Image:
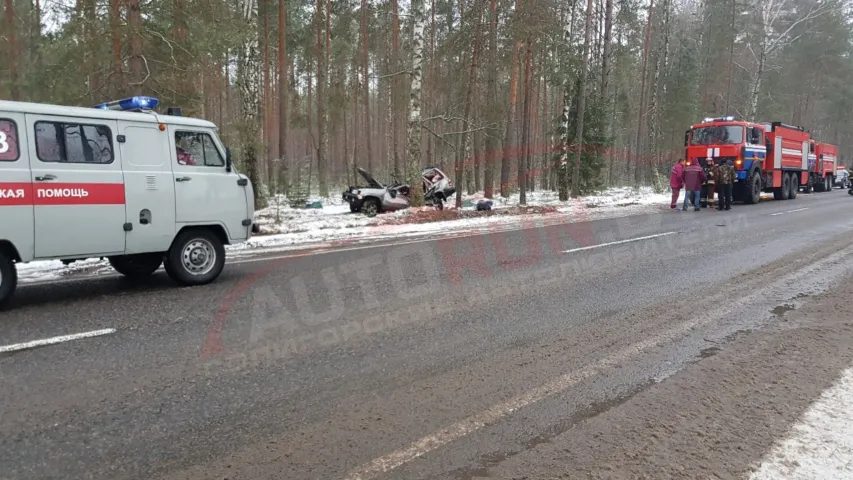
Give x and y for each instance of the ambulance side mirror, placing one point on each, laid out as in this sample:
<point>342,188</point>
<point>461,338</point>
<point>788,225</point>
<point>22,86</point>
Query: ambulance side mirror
<point>227,159</point>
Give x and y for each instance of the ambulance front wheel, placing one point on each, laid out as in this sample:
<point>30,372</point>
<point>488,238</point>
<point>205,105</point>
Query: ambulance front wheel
<point>197,257</point>
<point>8,278</point>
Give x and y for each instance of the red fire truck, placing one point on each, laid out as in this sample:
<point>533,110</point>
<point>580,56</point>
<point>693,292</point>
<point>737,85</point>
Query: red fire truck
<point>823,166</point>
<point>768,157</point>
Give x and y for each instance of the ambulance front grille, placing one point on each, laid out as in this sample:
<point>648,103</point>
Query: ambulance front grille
<point>150,182</point>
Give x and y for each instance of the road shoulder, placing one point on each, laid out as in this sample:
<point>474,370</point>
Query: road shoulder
<point>715,419</point>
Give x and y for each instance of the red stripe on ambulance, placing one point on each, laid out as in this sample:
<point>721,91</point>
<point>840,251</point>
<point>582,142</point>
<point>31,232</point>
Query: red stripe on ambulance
<point>16,194</point>
<point>61,194</point>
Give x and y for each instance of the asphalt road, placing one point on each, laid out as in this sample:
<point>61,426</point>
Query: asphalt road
<point>440,358</point>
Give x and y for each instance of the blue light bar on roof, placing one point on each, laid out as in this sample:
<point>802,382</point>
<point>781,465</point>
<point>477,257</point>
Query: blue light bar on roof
<point>130,104</point>
<point>718,119</point>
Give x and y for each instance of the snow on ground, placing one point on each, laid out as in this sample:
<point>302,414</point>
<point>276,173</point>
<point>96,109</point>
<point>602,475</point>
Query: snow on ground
<point>284,228</point>
<point>820,445</point>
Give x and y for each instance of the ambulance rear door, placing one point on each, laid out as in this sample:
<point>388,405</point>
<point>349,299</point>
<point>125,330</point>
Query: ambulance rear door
<point>149,188</point>
<point>78,186</point>
<point>16,192</point>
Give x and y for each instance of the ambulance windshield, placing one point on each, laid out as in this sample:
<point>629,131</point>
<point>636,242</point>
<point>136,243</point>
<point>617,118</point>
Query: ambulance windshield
<point>717,135</point>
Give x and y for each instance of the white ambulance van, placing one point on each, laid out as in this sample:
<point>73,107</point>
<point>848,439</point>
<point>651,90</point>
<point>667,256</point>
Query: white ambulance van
<point>121,182</point>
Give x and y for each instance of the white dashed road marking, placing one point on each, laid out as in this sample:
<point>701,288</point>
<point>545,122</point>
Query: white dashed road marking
<point>789,211</point>
<point>820,445</point>
<point>619,242</point>
<point>53,340</point>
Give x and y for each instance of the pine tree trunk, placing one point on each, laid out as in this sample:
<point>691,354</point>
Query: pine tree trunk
<point>563,164</point>
<point>283,93</point>
<point>576,171</point>
<point>605,57</point>
<point>395,86</point>
<point>134,20</point>
<point>12,53</point>
<point>641,112</point>
<point>115,25</point>
<point>477,144</point>
<point>366,90</point>
<point>525,129</point>
<point>430,106</point>
<point>267,102</point>
<point>248,72</point>
<point>492,145</point>
<point>413,130</point>
<point>90,48</point>
<point>180,80</point>
<point>546,152</point>
<point>509,137</point>
<point>461,154</point>
<point>322,141</point>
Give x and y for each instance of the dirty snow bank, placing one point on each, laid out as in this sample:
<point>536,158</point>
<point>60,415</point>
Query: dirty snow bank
<point>284,228</point>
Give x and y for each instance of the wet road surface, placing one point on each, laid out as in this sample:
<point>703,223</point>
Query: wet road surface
<point>615,345</point>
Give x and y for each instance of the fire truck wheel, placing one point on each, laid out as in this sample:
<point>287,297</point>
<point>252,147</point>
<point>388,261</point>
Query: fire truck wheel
<point>137,266</point>
<point>786,186</point>
<point>829,182</point>
<point>8,278</point>
<point>197,257</point>
<point>807,188</point>
<point>753,193</point>
<point>795,186</point>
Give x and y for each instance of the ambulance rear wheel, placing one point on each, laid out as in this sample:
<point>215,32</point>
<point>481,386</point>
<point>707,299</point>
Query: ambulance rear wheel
<point>8,278</point>
<point>137,266</point>
<point>197,257</point>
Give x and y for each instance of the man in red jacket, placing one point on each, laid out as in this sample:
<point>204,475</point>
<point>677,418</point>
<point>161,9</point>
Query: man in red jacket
<point>694,177</point>
<point>676,182</point>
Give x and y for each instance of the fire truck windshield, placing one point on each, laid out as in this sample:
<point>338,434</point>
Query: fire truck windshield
<point>717,135</point>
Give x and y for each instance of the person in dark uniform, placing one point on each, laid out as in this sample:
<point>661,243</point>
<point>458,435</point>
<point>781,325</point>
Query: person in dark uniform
<point>725,180</point>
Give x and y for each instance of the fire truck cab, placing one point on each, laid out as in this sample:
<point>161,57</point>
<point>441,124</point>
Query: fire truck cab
<point>770,157</point>
<point>121,182</point>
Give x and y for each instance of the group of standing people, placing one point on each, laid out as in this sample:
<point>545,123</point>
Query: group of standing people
<point>693,176</point>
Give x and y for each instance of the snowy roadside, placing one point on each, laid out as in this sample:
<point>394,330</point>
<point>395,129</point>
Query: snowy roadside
<point>284,228</point>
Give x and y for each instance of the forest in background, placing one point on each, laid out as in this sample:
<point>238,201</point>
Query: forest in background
<point>504,95</point>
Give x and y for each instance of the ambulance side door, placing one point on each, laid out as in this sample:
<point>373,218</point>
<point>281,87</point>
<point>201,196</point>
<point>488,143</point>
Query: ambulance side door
<point>16,190</point>
<point>78,186</point>
<point>206,192</point>
<point>149,188</point>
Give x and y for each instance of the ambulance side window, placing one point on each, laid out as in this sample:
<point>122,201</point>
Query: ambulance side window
<point>73,143</point>
<point>8,141</point>
<point>197,149</point>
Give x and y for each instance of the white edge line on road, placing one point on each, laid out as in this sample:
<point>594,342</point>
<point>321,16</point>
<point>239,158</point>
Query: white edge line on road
<point>53,340</point>
<point>647,237</point>
<point>789,211</point>
<point>466,426</point>
<point>326,248</point>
